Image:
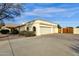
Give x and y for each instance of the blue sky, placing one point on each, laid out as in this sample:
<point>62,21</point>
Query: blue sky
<point>65,14</point>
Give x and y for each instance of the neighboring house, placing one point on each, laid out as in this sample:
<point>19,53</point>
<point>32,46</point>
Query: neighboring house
<point>9,26</point>
<point>41,27</point>
<point>75,30</point>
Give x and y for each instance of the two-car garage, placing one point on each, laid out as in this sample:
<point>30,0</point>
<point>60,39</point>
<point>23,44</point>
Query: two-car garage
<point>45,30</point>
<point>44,27</point>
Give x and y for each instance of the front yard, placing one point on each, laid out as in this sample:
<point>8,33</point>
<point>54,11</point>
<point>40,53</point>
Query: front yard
<point>46,45</point>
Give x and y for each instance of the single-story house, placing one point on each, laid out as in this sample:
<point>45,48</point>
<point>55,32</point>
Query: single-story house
<point>9,27</point>
<point>41,27</point>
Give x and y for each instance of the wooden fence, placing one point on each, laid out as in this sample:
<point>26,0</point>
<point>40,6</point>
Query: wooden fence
<point>65,30</point>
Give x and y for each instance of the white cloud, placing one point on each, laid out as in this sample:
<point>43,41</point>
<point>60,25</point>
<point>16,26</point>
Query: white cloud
<point>45,11</point>
<point>52,12</point>
<point>66,22</point>
<point>70,12</point>
<point>48,10</point>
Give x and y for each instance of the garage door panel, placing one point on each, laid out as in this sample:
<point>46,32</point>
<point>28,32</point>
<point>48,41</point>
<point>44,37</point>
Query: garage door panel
<point>45,30</point>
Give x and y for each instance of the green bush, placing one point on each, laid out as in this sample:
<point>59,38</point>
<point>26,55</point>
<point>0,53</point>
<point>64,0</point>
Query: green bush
<point>14,31</point>
<point>27,33</point>
<point>4,31</point>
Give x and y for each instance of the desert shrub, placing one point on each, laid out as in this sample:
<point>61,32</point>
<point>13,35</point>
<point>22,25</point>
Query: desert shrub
<point>4,31</point>
<point>27,33</point>
<point>14,31</point>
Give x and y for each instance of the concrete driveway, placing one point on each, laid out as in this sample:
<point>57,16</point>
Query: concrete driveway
<point>46,45</point>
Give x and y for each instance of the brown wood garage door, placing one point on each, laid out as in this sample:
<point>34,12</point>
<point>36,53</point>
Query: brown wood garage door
<point>67,30</point>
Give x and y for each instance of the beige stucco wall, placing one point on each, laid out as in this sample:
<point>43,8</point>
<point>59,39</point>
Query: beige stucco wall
<point>76,31</point>
<point>38,24</point>
<point>37,28</point>
<point>22,28</point>
<point>55,29</point>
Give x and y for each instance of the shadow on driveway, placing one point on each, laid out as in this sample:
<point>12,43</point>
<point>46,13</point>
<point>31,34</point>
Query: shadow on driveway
<point>75,48</point>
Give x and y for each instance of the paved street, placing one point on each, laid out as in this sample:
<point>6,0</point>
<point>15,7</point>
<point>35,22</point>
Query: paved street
<point>46,45</point>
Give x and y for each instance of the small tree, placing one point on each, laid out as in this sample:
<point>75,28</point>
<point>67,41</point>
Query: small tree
<point>77,27</point>
<point>9,11</point>
<point>59,26</point>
